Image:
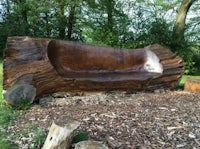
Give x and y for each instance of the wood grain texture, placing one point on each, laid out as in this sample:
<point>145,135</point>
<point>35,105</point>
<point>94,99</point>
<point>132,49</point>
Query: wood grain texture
<point>26,61</point>
<point>102,64</point>
<point>192,85</point>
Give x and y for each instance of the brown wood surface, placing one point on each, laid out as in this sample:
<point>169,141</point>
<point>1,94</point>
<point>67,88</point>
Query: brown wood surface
<point>192,85</point>
<point>26,61</point>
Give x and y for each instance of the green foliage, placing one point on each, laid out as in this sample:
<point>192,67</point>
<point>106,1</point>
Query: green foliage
<point>24,104</point>
<point>5,143</point>
<point>39,136</point>
<point>156,31</point>
<point>7,115</point>
<point>190,55</point>
<point>80,136</point>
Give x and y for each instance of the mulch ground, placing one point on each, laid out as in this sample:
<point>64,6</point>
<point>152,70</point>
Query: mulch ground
<point>120,120</point>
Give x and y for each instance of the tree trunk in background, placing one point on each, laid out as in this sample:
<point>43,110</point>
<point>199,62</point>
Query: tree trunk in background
<point>62,20</point>
<point>110,9</point>
<point>8,6</point>
<point>22,4</point>
<point>71,22</point>
<point>48,30</point>
<point>179,25</point>
<point>110,23</point>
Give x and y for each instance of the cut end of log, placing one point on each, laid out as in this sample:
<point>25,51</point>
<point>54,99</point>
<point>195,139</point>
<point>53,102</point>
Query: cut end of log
<point>192,85</point>
<point>60,134</point>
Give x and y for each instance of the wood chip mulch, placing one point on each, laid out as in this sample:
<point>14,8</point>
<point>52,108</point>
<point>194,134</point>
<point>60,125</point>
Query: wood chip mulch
<point>120,120</point>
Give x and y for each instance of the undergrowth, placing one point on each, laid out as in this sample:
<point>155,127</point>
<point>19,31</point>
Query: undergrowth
<point>7,115</point>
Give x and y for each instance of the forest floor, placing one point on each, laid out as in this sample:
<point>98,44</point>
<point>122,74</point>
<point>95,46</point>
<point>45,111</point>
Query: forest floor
<point>120,120</point>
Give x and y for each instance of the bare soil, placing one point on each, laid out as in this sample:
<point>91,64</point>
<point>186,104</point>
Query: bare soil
<point>121,120</point>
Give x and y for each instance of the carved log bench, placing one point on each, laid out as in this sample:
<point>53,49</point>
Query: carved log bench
<point>63,66</point>
<point>92,63</point>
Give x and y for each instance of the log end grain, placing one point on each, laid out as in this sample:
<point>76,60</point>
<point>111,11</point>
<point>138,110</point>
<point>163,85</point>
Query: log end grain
<point>192,85</point>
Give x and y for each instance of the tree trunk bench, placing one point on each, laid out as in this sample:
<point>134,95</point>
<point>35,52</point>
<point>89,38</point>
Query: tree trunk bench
<point>63,66</point>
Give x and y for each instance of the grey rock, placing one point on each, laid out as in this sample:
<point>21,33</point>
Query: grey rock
<point>20,93</point>
<point>90,145</point>
<point>159,90</point>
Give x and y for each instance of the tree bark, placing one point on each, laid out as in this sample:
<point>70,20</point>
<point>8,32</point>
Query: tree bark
<point>179,25</point>
<point>8,6</point>
<point>71,22</point>
<point>110,9</point>
<point>57,66</point>
<point>22,4</point>
<point>62,20</point>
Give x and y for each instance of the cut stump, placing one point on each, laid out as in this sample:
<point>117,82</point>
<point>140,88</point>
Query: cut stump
<point>192,85</point>
<point>60,134</point>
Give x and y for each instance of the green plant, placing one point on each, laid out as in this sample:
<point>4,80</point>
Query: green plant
<point>7,115</point>
<point>24,104</point>
<point>39,136</point>
<point>5,143</point>
<point>80,136</point>
<point>188,56</point>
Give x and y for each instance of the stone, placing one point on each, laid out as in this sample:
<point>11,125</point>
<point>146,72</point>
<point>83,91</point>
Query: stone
<point>90,145</point>
<point>159,90</point>
<point>20,93</point>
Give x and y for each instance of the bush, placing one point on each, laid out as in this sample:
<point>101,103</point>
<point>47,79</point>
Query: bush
<point>190,55</point>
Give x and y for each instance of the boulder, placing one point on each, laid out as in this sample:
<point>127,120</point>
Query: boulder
<point>21,93</point>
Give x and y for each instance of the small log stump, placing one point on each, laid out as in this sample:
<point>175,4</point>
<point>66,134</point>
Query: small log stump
<point>192,85</point>
<point>60,134</point>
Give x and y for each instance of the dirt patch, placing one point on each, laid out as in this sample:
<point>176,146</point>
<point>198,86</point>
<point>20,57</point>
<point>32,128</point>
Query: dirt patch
<point>121,120</point>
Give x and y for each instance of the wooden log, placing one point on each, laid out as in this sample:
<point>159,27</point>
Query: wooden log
<point>61,66</point>
<point>60,134</point>
<point>192,85</point>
